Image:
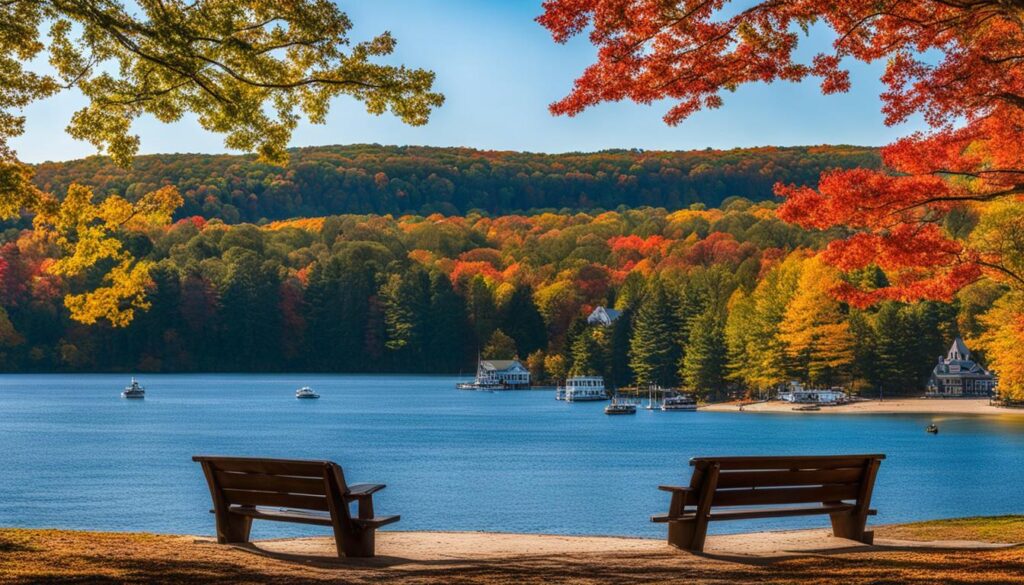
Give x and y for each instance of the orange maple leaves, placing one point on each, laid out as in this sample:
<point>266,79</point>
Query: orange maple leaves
<point>958,64</point>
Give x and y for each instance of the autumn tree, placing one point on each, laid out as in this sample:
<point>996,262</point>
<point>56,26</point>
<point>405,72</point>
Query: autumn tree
<point>956,64</point>
<point>500,347</point>
<point>248,69</point>
<point>814,327</point>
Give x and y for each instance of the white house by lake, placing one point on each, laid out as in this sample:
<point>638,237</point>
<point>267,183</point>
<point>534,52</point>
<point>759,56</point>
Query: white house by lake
<point>510,373</point>
<point>957,375</point>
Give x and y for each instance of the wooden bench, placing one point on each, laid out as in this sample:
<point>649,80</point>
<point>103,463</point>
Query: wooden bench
<point>837,485</point>
<point>284,490</point>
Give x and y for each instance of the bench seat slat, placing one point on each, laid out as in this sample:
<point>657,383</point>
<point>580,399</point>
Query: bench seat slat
<point>283,515</point>
<point>376,522</point>
<point>255,498</point>
<point>271,483</point>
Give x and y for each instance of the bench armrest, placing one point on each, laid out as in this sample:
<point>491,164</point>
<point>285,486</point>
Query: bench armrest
<point>361,490</point>
<point>674,488</point>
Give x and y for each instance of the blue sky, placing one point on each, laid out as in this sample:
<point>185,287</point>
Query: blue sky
<point>499,70</point>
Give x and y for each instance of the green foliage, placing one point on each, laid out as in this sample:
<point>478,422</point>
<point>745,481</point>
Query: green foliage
<point>411,179</point>
<point>654,350</point>
<point>500,347</point>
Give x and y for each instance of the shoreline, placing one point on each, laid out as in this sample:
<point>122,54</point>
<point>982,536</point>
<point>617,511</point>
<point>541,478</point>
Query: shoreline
<point>924,406</point>
<point>949,550</point>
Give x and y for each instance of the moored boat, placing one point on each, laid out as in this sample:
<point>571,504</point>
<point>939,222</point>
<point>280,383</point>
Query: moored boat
<point>135,390</point>
<point>679,402</point>
<point>584,389</point>
<point>306,393</point>
<point>620,408</point>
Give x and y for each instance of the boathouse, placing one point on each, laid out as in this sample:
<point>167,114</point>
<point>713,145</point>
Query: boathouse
<point>603,316</point>
<point>957,375</point>
<point>510,373</point>
<point>797,394</point>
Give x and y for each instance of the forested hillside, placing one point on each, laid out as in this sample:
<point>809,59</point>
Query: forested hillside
<point>453,181</point>
<point>713,300</point>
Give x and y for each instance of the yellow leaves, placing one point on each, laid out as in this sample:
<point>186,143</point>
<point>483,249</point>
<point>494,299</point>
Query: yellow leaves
<point>1002,340</point>
<point>87,234</point>
<point>117,301</point>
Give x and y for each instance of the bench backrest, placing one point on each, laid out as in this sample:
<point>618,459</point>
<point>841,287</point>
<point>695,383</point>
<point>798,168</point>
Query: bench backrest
<point>765,481</point>
<point>284,483</point>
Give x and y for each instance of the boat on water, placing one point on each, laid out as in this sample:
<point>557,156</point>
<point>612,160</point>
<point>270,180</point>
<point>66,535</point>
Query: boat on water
<point>583,389</point>
<point>135,390</point>
<point>651,403</point>
<point>679,402</point>
<point>617,407</point>
<point>932,428</point>
<point>306,393</point>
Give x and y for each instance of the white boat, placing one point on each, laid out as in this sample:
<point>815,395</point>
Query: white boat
<point>134,391</point>
<point>584,389</point>
<point>306,392</point>
<point>619,407</point>
<point>651,404</point>
<point>679,402</point>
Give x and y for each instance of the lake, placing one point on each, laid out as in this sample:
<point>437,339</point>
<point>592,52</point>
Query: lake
<point>73,454</point>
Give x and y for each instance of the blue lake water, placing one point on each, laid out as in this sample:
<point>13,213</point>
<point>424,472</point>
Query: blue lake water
<point>73,454</point>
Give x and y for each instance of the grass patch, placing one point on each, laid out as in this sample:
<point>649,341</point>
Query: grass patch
<point>1008,529</point>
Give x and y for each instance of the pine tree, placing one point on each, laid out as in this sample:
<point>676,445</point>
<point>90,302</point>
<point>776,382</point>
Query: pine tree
<point>589,354</point>
<point>521,320</point>
<point>447,328</point>
<point>654,351</point>
<point>703,365</point>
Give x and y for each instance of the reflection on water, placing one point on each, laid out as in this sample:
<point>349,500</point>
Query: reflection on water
<point>75,455</point>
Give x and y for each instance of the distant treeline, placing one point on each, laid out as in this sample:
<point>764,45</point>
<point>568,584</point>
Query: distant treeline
<point>715,300</point>
<point>454,181</point>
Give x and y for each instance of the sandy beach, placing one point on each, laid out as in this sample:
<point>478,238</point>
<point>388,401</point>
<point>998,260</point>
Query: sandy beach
<point>928,553</point>
<point>950,407</point>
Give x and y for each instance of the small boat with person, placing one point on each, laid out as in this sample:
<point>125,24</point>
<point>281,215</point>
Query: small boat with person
<point>306,393</point>
<point>135,390</point>
<point>932,428</point>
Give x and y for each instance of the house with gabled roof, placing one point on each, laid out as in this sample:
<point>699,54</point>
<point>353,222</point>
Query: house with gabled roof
<point>603,316</point>
<point>507,373</point>
<point>957,375</point>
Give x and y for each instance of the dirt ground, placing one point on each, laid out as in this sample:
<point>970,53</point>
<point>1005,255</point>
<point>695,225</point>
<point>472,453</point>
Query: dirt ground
<point>961,551</point>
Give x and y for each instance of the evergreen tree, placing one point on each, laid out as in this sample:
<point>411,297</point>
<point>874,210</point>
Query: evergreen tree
<point>406,302</point>
<point>589,354</point>
<point>481,310</point>
<point>654,351</point>
<point>522,321</point>
<point>622,331</point>
<point>447,328</point>
<point>703,365</point>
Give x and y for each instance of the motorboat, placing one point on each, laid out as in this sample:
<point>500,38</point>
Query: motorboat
<point>135,390</point>
<point>932,428</point>
<point>306,393</point>
<point>617,407</point>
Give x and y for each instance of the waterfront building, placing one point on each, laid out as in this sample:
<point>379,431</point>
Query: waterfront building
<point>957,375</point>
<point>509,373</point>
<point>797,394</point>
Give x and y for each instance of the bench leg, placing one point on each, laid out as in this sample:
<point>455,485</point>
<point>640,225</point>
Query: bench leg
<point>688,535</point>
<point>851,526</point>
<point>235,528</point>
<point>359,544</point>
